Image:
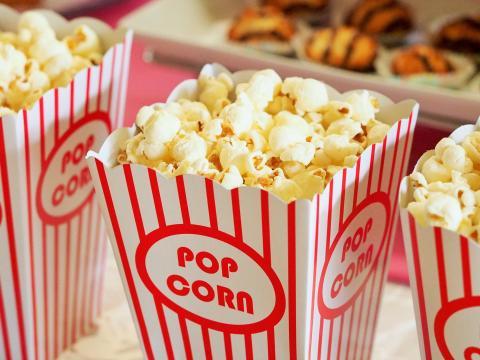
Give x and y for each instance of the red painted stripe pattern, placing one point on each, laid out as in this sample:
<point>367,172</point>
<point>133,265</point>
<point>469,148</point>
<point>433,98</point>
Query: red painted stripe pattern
<point>276,232</point>
<point>60,262</point>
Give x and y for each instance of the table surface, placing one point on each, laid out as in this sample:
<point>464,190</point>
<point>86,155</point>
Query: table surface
<point>116,339</point>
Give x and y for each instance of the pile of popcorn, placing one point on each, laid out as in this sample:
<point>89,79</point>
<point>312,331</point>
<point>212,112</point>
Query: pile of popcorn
<point>446,189</point>
<point>33,60</point>
<point>286,136</point>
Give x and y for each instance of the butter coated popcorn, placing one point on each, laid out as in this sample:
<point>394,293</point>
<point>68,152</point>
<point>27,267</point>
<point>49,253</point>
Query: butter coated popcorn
<point>286,137</point>
<point>446,188</point>
<point>33,60</point>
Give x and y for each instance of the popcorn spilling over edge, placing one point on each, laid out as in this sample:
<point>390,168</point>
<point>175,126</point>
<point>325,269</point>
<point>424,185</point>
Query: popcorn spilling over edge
<point>446,189</point>
<point>33,60</point>
<point>286,136</point>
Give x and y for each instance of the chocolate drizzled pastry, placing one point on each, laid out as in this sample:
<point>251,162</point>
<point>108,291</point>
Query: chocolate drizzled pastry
<point>295,7</point>
<point>461,35</point>
<point>265,23</point>
<point>380,17</point>
<point>343,47</point>
<point>419,59</point>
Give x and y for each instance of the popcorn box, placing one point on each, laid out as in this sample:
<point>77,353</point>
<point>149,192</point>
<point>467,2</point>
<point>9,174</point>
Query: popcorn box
<point>217,273</point>
<point>52,245</point>
<point>444,282</point>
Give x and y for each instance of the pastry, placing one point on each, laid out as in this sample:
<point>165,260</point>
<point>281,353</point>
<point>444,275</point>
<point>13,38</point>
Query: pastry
<point>380,17</point>
<point>260,25</point>
<point>343,47</point>
<point>419,59</point>
<point>462,35</point>
<point>295,7</point>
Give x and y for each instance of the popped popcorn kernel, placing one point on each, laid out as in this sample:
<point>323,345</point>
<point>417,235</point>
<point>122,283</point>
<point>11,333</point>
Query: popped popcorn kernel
<point>34,60</point>
<point>446,189</point>
<point>286,137</point>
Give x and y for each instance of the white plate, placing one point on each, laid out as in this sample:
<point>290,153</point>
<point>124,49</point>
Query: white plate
<point>194,32</point>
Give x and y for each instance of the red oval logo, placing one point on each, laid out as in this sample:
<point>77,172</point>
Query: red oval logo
<point>457,329</point>
<point>210,278</point>
<point>65,185</point>
<point>353,255</point>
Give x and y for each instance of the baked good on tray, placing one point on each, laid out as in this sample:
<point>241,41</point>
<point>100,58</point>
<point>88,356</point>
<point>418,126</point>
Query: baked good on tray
<point>391,20</point>
<point>418,59</point>
<point>461,34</point>
<point>343,47</point>
<point>295,7</point>
<point>263,27</point>
<point>314,12</point>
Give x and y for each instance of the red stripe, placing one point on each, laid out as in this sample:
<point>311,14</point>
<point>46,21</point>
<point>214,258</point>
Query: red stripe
<point>93,263</point>
<point>110,91</point>
<point>237,216</point>
<point>152,174</point>
<point>124,259</point>
<point>340,337</point>
<point>30,231</point>
<point>12,243</point>
<point>292,282</point>
<point>442,277</point>
<point>123,82</point>
<point>86,270</point>
<point>206,343</point>
<point>342,202</point>
<point>421,296</point>
<point>393,217</point>
<point>248,347</point>
<point>350,326</point>
<point>87,95</point>
<point>72,102</point>
<point>161,223</point>
<point>212,211</point>
<point>314,281</point>
<point>267,255</point>
<point>394,161</point>
<point>467,277</point>
<point>101,280</point>
<point>320,338</point>
<point>77,276</point>
<point>382,163</point>
<point>56,293</point>
<point>330,337</point>
<point>56,120</point>
<point>45,291</point>
<point>99,257</point>
<point>227,341</point>
<point>67,286</point>
<point>182,198</point>
<point>357,180</point>
<point>3,326</point>
<point>134,202</point>
<point>185,338</point>
<point>330,210</point>
<point>357,336</point>
<point>370,172</point>
<point>99,90</point>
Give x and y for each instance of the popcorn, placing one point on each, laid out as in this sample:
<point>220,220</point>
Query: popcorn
<point>308,94</point>
<point>33,60</point>
<point>446,189</point>
<point>285,137</point>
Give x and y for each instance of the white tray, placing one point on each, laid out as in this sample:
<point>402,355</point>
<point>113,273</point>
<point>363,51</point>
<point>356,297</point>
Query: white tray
<point>194,32</point>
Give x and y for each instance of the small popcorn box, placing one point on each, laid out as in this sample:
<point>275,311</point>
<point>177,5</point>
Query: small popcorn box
<point>217,273</point>
<point>52,238</point>
<point>444,282</point>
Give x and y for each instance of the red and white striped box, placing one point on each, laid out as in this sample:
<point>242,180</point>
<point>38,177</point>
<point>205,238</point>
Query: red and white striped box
<point>52,238</point>
<point>444,280</point>
<point>213,273</point>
